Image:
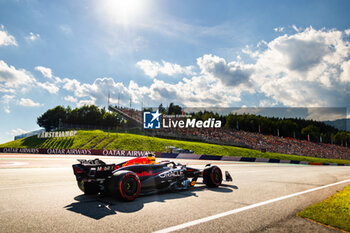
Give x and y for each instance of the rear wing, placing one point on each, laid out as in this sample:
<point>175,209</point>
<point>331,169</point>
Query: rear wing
<point>98,168</point>
<point>92,168</point>
<point>89,162</point>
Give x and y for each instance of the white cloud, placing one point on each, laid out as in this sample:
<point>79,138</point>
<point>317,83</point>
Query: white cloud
<point>50,87</point>
<point>247,50</point>
<point>10,77</point>
<point>296,28</point>
<point>279,29</point>
<point>5,38</point>
<point>28,103</point>
<point>152,68</point>
<point>304,69</point>
<point>345,74</point>
<point>19,81</point>
<point>97,92</point>
<point>301,52</point>
<point>6,99</point>
<point>231,74</point>
<point>46,72</point>
<point>7,90</point>
<point>149,68</point>
<point>91,101</point>
<point>71,99</point>
<point>32,36</point>
<point>259,45</point>
<point>219,84</point>
<point>71,84</point>
<point>196,91</point>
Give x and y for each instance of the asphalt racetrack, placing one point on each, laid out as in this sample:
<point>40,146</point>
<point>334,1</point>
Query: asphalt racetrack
<point>38,193</point>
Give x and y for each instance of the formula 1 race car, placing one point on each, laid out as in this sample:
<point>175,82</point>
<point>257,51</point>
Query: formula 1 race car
<point>141,176</point>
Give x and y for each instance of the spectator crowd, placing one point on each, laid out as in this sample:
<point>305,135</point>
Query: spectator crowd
<point>252,140</point>
<point>262,142</point>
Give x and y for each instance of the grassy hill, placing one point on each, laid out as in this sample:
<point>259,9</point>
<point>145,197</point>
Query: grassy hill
<point>98,139</point>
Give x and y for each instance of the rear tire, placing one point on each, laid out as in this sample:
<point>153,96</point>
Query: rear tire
<point>126,185</point>
<point>212,176</point>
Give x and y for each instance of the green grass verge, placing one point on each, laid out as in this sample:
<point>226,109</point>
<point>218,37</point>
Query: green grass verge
<point>126,141</point>
<point>334,211</point>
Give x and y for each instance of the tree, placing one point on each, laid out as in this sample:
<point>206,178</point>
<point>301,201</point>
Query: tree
<point>90,115</point>
<point>52,117</point>
<point>85,115</point>
<point>111,119</point>
<point>174,109</point>
<point>161,109</point>
<point>342,138</point>
<point>312,131</point>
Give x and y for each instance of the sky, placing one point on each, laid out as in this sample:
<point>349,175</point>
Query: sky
<point>197,53</point>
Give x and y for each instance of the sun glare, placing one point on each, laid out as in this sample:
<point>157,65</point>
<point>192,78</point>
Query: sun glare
<point>124,11</point>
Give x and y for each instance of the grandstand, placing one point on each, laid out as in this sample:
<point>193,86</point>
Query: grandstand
<point>240,138</point>
<point>131,115</point>
<point>258,141</point>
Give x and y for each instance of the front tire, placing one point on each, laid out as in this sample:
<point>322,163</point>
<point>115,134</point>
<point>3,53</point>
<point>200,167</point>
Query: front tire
<point>212,176</point>
<point>126,185</point>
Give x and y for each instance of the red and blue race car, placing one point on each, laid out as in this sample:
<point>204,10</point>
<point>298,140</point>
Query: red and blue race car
<point>141,176</point>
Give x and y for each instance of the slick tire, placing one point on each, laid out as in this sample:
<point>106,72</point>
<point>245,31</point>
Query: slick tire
<point>125,185</point>
<point>212,176</point>
<point>88,188</point>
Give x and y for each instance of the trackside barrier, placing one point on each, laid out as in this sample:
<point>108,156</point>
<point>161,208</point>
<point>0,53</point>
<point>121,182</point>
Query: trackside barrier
<point>242,159</point>
<point>103,152</point>
<point>76,152</point>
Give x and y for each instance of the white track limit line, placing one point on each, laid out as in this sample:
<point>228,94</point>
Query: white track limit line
<point>216,216</point>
